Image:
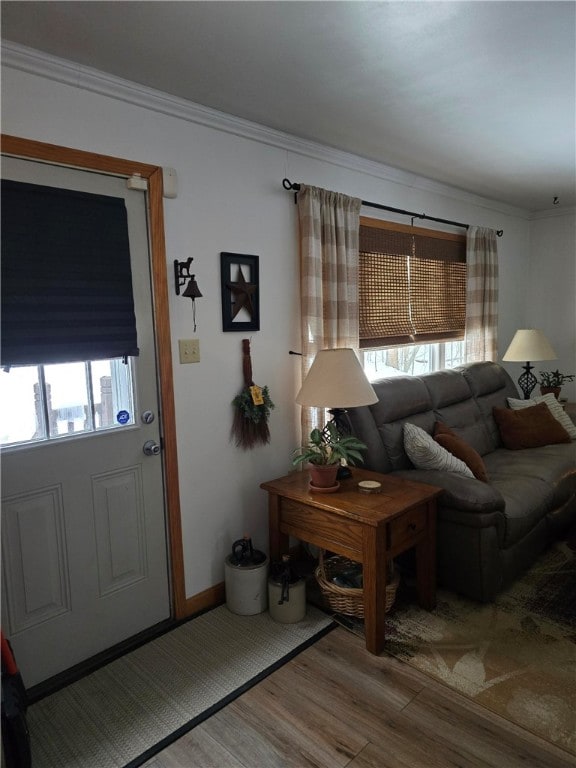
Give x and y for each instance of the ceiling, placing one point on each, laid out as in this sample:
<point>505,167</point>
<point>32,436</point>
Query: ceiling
<point>478,95</point>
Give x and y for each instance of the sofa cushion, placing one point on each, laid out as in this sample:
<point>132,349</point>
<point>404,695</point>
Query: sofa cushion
<point>529,427</point>
<point>461,449</point>
<point>488,379</point>
<point>555,409</point>
<point>546,473</point>
<point>490,386</point>
<point>552,464</point>
<point>453,405</point>
<point>521,517</point>
<point>446,388</point>
<point>400,398</point>
<point>425,453</point>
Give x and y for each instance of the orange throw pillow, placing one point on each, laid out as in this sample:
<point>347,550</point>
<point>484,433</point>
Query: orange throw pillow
<point>448,439</point>
<point>529,427</point>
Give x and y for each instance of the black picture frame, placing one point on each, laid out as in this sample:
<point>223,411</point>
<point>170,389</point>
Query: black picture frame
<point>240,289</point>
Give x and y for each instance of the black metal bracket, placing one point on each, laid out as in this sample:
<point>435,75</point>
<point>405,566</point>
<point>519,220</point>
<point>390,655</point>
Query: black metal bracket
<point>182,273</point>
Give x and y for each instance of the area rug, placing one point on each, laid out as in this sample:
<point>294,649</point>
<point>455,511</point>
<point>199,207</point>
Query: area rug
<point>130,709</point>
<point>516,656</point>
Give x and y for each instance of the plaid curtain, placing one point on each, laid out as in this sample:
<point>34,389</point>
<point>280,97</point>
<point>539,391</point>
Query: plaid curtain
<point>329,226</point>
<point>481,295</point>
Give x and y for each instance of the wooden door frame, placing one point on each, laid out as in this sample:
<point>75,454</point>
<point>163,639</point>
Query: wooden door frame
<point>73,158</point>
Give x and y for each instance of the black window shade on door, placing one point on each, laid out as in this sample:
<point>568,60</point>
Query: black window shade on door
<point>66,276</point>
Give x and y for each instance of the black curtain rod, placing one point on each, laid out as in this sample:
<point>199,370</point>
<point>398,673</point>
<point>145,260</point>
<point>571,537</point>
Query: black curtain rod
<point>296,188</point>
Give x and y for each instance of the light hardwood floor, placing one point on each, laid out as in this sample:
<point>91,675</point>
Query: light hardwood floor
<point>337,706</point>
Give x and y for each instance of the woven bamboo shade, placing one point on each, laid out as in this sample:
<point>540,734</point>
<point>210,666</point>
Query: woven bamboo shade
<point>412,287</point>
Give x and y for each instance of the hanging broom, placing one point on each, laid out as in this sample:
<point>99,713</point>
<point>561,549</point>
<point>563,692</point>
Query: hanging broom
<point>252,407</point>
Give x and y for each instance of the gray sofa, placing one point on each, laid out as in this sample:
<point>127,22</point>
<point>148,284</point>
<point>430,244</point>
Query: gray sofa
<point>487,533</point>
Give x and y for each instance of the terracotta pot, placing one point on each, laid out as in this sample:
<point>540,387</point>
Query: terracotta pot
<point>323,476</point>
<point>555,391</point>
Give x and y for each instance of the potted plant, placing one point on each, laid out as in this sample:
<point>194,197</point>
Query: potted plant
<point>325,452</point>
<point>551,381</point>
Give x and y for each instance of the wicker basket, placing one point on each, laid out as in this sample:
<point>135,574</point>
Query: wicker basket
<point>347,600</point>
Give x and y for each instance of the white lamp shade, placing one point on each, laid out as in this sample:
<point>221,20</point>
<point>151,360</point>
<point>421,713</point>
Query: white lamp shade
<point>527,345</point>
<point>336,380</point>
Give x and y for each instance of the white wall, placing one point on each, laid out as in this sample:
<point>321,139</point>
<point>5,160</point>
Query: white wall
<point>230,199</point>
<point>552,289</point>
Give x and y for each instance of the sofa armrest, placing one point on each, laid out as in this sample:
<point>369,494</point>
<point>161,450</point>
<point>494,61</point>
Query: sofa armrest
<point>459,492</point>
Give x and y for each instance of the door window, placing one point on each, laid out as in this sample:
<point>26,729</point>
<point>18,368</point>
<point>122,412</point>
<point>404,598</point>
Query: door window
<point>46,402</point>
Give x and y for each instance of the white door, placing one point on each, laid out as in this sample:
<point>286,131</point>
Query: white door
<point>84,551</point>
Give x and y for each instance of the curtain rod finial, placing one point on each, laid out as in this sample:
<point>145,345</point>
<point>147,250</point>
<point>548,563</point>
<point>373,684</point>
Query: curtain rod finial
<point>287,184</point>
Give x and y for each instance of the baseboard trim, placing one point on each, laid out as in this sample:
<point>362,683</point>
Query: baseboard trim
<point>203,601</point>
<point>216,595</point>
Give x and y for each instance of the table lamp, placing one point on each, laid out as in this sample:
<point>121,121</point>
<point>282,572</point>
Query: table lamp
<point>528,344</point>
<point>336,381</point>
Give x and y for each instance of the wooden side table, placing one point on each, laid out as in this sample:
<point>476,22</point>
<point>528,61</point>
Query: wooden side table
<point>368,528</point>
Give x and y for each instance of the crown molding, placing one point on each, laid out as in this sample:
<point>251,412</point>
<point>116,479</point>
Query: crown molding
<point>550,213</point>
<point>38,63</point>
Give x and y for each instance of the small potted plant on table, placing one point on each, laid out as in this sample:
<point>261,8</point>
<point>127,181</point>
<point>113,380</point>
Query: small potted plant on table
<point>325,452</point>
<point>551,381</point>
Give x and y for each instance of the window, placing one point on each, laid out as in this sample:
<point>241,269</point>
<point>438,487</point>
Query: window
<point>412,293</point>
<point>41,403</point>
<point>412,360</point>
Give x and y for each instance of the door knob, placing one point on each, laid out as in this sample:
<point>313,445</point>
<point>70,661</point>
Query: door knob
<point>151,448</point>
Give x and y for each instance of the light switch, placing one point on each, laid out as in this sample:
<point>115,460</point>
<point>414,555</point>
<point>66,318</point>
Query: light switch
<point>189,350</point>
